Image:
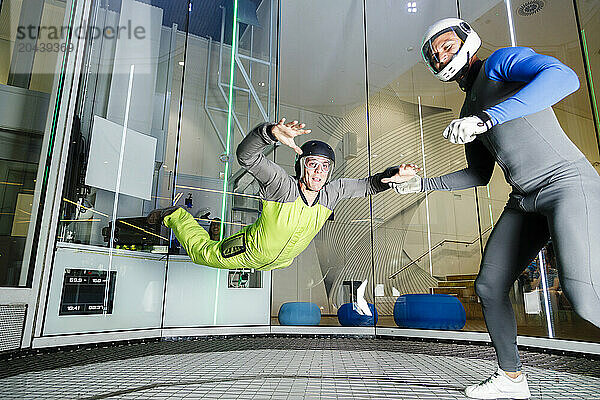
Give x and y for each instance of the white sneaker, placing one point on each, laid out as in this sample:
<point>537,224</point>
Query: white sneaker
<point>500,386</point>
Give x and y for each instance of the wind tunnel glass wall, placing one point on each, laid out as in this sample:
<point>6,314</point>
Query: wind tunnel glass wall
<point>118,170</point>
<point>419,237</point>
<point>322,83</point>
<point>159,118</point>
<point>552,28</point>
<point>169,90</point>
<point>30,66</point>
<point>420,244</point>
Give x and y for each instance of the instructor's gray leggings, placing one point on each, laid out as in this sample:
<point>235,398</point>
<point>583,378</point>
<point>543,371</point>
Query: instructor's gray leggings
<point>566,209</point>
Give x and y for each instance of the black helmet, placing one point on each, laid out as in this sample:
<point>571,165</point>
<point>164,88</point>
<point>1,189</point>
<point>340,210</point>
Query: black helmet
<point>314,148</point>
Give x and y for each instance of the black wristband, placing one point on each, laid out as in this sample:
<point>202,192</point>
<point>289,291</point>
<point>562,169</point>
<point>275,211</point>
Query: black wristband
<point>390,171</point>
<point>270,133</point>
<point>375,180</point>
<point>482,115</point>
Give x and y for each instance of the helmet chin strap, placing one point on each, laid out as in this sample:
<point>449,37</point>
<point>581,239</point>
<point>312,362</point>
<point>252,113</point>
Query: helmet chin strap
<point>462,74</point>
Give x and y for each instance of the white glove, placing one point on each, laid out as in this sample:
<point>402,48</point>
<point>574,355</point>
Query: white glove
<point>411,186</point>
<point>464,130</point>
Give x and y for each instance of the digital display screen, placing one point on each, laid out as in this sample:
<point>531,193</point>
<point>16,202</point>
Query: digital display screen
<point>84,291</point>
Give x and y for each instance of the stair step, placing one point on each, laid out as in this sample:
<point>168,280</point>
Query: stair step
<point>458,291</point>
<point>447,290</point>
<point>463,277</point>
<point>469,283</point>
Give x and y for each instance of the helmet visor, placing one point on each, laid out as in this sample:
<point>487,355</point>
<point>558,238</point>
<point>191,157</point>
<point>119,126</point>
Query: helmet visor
<point>441,48</point>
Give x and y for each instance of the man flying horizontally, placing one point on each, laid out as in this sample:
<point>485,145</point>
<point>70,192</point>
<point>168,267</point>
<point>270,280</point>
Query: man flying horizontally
<point>294,208</point>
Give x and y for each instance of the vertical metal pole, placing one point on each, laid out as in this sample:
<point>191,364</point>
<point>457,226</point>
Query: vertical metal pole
<point>545,290</point>
<point>221,45</point>
<point>250,76</point>
<point>278,60</point>
<point>426,196</point>
<point>270,61</point>
<point>229,134</point>
<point>588,76</point>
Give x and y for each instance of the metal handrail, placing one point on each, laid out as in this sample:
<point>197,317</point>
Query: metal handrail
<point>416,260</point>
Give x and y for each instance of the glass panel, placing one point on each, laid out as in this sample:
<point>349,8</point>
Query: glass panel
<point>409,109</point>
<point>322,83</point>
<point>589,20</point>
<point>127,114</point>
<point>550,28</point>
<point>228,90</point>
<point>439,232</point>
<point>32,37</point>
<point>127,117</point>
<point>489,19</point>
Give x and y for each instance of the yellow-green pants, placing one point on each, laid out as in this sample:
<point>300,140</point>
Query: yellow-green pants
<point>229,253</point>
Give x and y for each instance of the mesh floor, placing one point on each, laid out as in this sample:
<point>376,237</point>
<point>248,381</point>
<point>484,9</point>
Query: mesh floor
<point>284,368</point>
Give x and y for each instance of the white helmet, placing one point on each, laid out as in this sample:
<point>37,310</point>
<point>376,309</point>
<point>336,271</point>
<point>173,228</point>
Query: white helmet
<point>470,43</point>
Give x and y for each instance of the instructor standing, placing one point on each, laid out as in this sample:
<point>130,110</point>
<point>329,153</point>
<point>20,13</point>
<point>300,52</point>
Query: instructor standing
<point>507,118</point>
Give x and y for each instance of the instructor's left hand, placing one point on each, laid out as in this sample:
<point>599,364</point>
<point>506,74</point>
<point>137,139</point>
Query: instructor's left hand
<point>464,130</point>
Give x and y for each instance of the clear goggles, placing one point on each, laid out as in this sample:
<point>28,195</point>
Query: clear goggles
<point>313,163</point>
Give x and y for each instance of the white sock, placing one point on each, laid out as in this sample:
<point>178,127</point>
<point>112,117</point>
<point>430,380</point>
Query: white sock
<point>517,379</point>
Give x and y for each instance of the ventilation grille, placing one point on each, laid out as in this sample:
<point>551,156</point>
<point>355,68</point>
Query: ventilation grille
<point>12,318</point>
<point>529,8</point>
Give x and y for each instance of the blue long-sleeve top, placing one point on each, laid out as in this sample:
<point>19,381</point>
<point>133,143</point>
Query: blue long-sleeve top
<point>516,87</point>
<point>549,81</point>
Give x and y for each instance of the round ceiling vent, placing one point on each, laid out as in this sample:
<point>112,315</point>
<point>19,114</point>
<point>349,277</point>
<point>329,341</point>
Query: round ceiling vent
<point>530,7</point>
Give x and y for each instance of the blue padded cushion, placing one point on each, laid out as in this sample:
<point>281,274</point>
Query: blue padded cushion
<point>350,317</point>
<point>299,313</point>
<point>429,311</point>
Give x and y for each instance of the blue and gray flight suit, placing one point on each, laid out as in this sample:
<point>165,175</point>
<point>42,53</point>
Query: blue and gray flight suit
<point>556,191</point>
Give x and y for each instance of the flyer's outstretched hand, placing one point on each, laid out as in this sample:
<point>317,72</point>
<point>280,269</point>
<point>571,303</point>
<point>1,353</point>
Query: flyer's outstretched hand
<point>285,133</point>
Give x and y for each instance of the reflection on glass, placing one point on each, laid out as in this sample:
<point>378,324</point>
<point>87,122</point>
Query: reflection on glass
<point>323,85</point>
<point>552,29</point>
<point>419,241</point>
<point>118,167</point>
<point>28,63</point>
<point>195,93</point>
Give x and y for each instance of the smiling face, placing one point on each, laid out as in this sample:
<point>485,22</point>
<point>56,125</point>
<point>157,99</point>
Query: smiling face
<point>316,169</point>
<point>214,229</point>
<point>442,49</point>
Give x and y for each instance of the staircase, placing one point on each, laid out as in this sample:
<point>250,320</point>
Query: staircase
<point>463,288</point>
